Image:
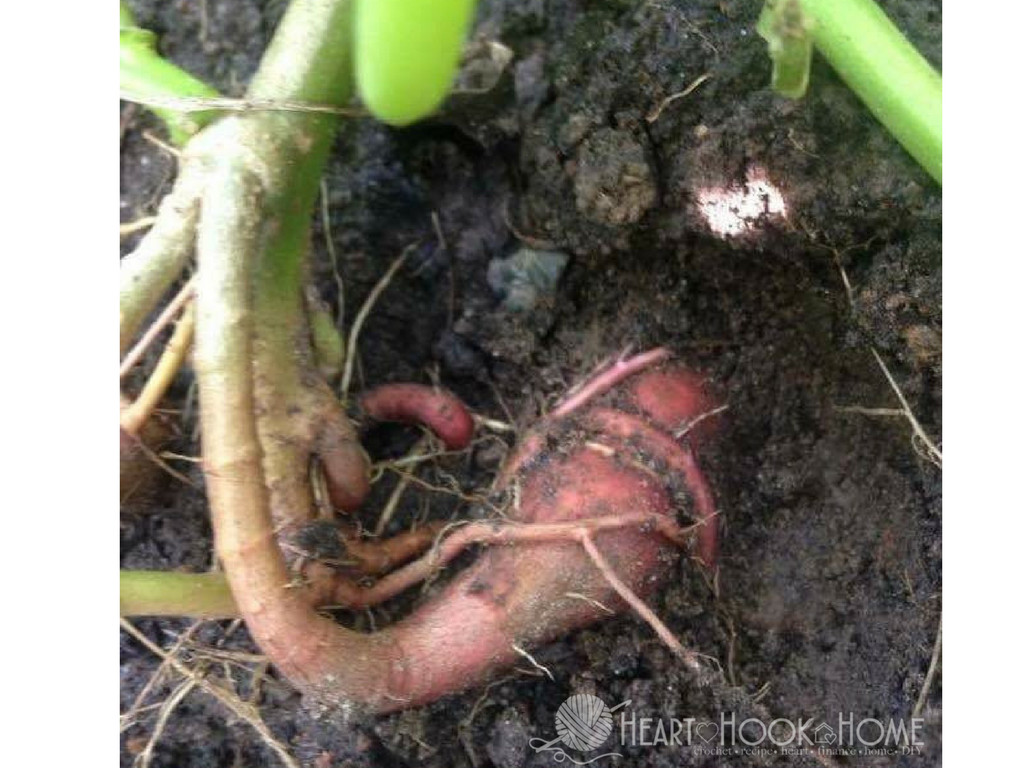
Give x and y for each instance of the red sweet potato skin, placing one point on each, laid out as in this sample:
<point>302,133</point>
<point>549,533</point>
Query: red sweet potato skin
<point>529,593</point>
<point>674,398</point>
<point>615,455</point>
<point>438,410</point>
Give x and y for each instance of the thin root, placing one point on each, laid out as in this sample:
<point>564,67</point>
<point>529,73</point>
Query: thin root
<point>680,433</point>
<point>690,658</point>
<point>137,226</point>
<point>929,450</point>
<point>526,655</point>
<point>174,354</point>
<point>165,466</point>
<point>454,538</point>
<point>608,378</point>
<point>166,710</point>
<point>596,603</point>
<point>175,306</point>
<point>494,425</point>
<point>159,143</point>
<point>395,498</point>
<point>157,676</point>
<point>364,311</point>
<point>929,677</point>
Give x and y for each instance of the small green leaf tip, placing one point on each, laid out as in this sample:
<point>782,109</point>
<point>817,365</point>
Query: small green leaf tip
<point>127,19</point>
<point>144,72</point>
<point>785,27</point>
<point>407,54</point>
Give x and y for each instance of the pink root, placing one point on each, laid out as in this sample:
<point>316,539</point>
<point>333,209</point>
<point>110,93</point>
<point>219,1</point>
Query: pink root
<point>439,411</point>
<point>601,382</point>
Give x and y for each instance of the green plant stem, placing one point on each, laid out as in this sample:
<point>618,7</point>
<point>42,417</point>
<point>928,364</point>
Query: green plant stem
<point>873,58</point>
<point>308,60</point>
<point>295,405</point>
<point>146,72</point>
<point>407,54</point>
<point>889,75</point>
<point>328,344</point>
<point>169,593</point>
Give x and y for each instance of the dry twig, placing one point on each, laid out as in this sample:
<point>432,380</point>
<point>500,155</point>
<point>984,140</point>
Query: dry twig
<point>929,677</point>
<point>241,709</point>
<point>159,381</point>
<point>166,709</point>
<point>655,113</point>
<point>225,104</point>
<point>933,453</point>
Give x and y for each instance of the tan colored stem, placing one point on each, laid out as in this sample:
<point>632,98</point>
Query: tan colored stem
<point>149,270</point>
<point>160,379</point>
<point>305,646</point>
<point>131,227</point>
<point>228,244</point>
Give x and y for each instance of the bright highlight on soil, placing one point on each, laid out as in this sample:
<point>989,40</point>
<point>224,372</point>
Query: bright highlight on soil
<point>731,211</point>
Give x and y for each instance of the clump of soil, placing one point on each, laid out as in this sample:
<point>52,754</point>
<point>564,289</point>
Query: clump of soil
<point>828,599</point>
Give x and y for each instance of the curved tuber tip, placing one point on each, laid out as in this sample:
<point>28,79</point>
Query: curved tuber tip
<point>677,400</point>
<point>438,410</point>
<point>346,468</point>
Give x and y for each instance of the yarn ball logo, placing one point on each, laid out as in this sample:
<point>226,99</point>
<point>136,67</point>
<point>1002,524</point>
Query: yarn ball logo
<point>583,724</point>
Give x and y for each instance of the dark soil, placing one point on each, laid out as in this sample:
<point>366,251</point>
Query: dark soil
<point>829,594</point>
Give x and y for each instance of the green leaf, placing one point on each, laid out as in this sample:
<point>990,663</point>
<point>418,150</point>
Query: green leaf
<point>144,72</point>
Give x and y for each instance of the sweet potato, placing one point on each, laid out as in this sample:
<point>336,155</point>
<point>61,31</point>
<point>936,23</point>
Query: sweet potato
<point>610,455</point>
<point>592,498</point>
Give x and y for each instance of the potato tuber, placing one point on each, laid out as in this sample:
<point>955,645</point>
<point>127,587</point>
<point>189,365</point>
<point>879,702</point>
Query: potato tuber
<point>610,454</point>
<point>592,496</point>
